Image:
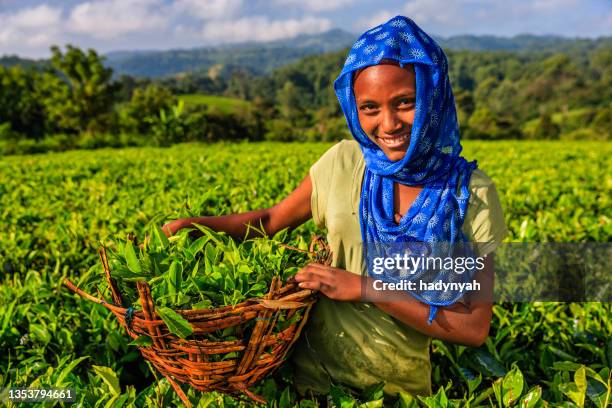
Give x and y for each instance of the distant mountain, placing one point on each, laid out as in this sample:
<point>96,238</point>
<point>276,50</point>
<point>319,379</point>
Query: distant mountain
<point>14,60</point>
<point>256,58</point>
<point>523,42</point>
<point>263,58</point>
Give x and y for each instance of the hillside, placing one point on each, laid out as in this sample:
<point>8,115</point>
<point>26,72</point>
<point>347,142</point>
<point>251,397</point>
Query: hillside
<point>263,58</point>
<point>255,58</point>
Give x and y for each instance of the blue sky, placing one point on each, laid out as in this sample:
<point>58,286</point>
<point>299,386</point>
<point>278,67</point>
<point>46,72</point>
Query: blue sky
<point>29,27</point>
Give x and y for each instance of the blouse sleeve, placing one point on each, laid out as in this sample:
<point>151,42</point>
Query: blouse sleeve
<point>321,174</point>
<point>484,223</point>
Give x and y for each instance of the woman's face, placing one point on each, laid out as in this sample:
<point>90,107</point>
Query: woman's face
<point>386,99</point>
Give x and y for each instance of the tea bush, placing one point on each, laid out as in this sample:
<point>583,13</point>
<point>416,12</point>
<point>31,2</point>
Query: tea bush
<point>57,208</point>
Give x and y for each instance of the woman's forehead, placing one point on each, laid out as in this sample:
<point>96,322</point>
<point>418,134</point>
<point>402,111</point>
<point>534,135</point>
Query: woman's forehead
<point>408,67</point>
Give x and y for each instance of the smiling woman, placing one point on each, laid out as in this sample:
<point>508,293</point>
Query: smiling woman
<point>401,180</point>
<point>386,98</point>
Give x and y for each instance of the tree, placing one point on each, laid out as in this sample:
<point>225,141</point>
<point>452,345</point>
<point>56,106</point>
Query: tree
<point>77,91</point>
<point>290,105</point>
<point>19,106</point>
<point>145,105</point>
<point>546,129</point>
<point>484,124</point>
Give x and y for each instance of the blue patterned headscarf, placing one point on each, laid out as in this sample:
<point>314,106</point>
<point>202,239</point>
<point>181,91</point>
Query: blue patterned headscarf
<point>432,159</point>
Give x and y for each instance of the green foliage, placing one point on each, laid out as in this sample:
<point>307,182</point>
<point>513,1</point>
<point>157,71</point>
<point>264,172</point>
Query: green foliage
<point>222,104</point>
<point>59,207</point>
<point>499,95</point>
<point>146,103</point>
<point>77,92</point>
<point>545,128</point>
<point>20,107</point>
<point>484,124</point>
<point>168,126</point>
<point>290,103</point>
<point>212,269</point>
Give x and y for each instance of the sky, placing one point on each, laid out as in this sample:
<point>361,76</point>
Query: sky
<point>29,27</point>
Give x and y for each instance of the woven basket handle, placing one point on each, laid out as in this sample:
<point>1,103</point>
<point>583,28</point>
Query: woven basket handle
<point>117,299</point>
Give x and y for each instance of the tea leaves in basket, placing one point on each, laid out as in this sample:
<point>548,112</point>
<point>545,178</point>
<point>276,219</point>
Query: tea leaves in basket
<point>210,271</point>
<point>175,322</point>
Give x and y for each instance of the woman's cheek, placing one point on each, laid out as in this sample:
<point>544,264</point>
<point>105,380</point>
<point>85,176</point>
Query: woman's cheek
<point>366,125</point>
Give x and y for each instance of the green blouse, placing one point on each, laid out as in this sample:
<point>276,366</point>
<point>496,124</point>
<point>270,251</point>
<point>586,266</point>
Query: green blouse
<point>357,344</point>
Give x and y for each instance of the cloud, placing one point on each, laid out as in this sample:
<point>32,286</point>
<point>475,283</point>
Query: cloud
<point>377,19</point>
<point>315,5</point>
<point>438,14</point>
<point>260,28</point>
<point>208,9</point>
<point>29,27</point>
<point>106,25</point>
<point>499,17</point>
<point>106,19</point>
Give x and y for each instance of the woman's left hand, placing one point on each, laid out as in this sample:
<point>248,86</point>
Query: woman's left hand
<point>335,283</point>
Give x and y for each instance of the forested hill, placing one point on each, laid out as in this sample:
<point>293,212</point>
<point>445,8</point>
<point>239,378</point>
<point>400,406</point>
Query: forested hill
<point>255,58</point>
<point>263,58</point>
<point>521,43</point>
<point>13,60</point>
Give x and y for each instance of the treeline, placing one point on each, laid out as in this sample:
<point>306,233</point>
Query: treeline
<point>73,101</point>
<point>499,95</point>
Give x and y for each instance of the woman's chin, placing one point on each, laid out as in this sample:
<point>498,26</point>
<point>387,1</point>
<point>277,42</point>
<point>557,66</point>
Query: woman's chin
<point>394,155</point>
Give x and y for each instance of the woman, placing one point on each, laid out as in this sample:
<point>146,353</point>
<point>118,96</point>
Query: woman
<point>401,179</point>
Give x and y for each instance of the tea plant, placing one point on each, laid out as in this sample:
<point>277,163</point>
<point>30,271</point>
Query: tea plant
<point>56,210</point>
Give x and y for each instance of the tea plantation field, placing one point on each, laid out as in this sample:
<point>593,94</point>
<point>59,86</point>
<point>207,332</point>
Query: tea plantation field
<point>56,209</point>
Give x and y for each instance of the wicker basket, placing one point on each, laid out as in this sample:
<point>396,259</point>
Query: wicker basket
<point>258,350</point>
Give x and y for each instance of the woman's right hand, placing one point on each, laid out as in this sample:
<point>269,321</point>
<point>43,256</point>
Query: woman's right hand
<point>172,227</point>
<point>291,212</point>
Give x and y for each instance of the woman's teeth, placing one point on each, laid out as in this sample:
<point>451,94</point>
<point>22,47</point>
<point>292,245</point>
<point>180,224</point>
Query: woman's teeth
<point>394,141</point>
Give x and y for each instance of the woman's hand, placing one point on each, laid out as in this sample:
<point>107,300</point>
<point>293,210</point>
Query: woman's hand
<point>335,283</point>
<point>171,227</point>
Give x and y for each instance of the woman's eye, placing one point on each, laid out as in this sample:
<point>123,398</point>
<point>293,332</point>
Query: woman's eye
<point>406,102</point>
<point>367,108</point>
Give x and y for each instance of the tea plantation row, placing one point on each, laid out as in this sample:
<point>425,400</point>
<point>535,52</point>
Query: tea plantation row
<point>56,209</point>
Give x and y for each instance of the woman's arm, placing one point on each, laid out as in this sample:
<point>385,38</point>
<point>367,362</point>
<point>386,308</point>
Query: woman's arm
<point>290,212</point>
<point>463,324</point>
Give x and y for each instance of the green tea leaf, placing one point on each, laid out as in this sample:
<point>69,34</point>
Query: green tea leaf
<point>59,381</point>
<point>174,277</point>
<point>532,398</point>
<point>130,257</point>
<point>142,341</point>
<point>373,392</point>
<point>202,304</point>
<point>176,323</point>
<point>487,364</point>
<point>407,401</point>
<point>576,391</point>
<point>109,377</point>
<point>439,400</point>
<point>285,399</point>
<point>340,398</point>
<point>159,236</point>
<point>379,403</point>
<point>512,386</point>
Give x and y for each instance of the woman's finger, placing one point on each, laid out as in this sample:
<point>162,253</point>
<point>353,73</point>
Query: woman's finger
<point>309,272</point>
<point>312,285</point>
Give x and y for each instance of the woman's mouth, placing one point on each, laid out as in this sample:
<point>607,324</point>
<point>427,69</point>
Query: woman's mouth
<point>393,141</point>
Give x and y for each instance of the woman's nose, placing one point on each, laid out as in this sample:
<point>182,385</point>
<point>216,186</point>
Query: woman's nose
<point>391,122</point>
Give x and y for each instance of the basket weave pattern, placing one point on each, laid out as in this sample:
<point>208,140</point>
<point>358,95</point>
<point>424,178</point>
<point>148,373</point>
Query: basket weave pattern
<point>198,361</point>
